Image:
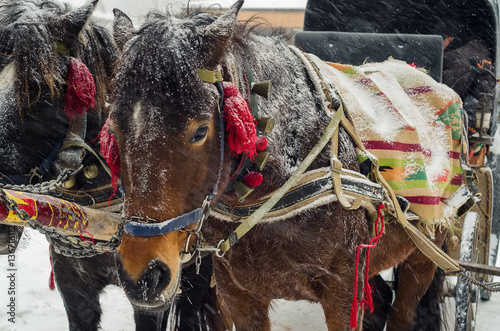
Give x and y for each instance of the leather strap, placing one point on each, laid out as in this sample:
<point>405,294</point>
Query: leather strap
<point>144,229</point>
<point>251,221</point>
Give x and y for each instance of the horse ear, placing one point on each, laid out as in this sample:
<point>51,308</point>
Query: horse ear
<point>70,24</point>
<point>216,35</point>
<point>122,28</point>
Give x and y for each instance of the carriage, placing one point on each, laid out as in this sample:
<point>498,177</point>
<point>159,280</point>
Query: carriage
<point>414,32</point>
<point>137,227</point>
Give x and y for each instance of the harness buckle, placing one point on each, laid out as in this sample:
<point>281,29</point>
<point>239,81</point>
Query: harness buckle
<point>205,208</point>
<point>35,174</point>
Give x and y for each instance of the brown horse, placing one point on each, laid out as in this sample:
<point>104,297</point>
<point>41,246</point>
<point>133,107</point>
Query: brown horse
<point>166,116</point>
<point>166,123</point>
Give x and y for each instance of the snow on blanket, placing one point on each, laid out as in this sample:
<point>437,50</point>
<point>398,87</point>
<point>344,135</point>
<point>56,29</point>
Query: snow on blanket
<point>411,123</point>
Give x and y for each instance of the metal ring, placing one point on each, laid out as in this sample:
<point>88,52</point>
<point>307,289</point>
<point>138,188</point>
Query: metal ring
<point>218,249</point>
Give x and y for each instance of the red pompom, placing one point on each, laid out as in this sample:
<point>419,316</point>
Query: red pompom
<point>253,179</point>
<point>261,144</point>
<point>80,89</point>
<point>109,149</point>
<point>240,124</point>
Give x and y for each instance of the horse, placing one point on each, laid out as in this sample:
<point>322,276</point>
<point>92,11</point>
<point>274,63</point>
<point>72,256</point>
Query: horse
<point>181,82</point>
<point>41,41</point>
<point>165,120</point>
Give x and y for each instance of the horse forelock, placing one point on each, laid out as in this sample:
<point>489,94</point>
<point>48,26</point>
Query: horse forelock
<point>159,64</point>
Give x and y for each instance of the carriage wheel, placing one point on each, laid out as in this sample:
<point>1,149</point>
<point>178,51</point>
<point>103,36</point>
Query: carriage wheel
<point>485,209</point>
<point>467,295</point>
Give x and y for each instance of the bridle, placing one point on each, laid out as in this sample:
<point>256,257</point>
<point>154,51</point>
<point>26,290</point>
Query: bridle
<point>147,227</point>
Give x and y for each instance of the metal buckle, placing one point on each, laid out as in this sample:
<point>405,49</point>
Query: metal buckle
<point>34,174</point>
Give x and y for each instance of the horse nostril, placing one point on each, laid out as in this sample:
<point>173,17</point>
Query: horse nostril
<point>152,283</point>
<point>156,278</point>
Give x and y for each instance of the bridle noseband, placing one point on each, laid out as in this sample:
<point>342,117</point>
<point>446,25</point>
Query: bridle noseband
<point>138,226</point>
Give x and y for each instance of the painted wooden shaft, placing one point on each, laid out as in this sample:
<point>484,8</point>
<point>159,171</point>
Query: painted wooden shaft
<point>64,216</point>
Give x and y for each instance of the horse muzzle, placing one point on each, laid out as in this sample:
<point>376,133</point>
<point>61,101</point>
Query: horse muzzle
<point>154,291</point>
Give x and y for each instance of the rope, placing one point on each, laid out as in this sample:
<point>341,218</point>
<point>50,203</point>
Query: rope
<point>366,301</point>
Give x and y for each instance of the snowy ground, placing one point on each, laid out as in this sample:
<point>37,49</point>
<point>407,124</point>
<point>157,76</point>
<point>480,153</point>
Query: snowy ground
<point>38,308</point>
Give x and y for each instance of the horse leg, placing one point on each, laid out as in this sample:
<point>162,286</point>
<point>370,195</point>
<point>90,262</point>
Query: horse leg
<point>245,310</point>
<point>415,275</point>
<point>336,295</point>
<point>382,300</point>
<point>198,307</point>
<point>9,238</point>
<point>80,282</point>
<point>146,321</point>
<point>429,316</point>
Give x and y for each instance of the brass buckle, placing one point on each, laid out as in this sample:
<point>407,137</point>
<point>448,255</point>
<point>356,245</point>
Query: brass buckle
<point>34,174</point>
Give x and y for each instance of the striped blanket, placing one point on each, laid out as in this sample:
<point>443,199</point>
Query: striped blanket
<point>412,124</point>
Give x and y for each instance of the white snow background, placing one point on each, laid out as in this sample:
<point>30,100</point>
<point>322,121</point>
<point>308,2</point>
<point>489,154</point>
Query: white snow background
<point>38,308</point>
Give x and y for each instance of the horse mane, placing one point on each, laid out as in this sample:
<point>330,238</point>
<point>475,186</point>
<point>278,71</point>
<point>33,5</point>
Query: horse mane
<point>27,37</point>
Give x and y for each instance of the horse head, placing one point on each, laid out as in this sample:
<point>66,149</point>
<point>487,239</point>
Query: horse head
<point>49,54</point>
<point>38,41</point>
<point>164,113</point>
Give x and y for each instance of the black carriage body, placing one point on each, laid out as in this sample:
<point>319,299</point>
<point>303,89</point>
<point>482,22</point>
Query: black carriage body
<point>409,30</point>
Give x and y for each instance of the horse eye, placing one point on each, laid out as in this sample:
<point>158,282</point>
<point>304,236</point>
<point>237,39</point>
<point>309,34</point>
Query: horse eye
<point>199,134</point>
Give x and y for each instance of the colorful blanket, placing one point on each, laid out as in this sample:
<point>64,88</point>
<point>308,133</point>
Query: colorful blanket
<point>411,123</point>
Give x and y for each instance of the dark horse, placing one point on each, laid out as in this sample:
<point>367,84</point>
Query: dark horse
<point>39,39</point>
<point>166,123</point>
<point>166,116</point>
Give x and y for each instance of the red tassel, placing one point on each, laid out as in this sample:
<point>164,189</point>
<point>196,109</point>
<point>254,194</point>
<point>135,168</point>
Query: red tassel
<point>366,301</point>
<point>240,124</point>
<point>80,89</point>
<point>52,283</point>
<point>109,149</point>
<point>261,144</point>
<point>253,179</point>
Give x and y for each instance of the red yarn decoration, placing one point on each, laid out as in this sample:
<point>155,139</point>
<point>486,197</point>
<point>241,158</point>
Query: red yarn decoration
<point>80,89</point>
<point>366,301</point>
<point>109,149</point>
<point>52,283</point>
<point>240,124</point>
<point>253,179</point>
<point>261,144</point>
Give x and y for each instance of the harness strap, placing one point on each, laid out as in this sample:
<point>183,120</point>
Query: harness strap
<point>311,187</point>
<point>156,229</point>
<point>250,222</point>
<point>83,145</point>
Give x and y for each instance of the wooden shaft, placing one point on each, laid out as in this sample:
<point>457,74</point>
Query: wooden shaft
<point>480,268</point>
<point>67,217</point>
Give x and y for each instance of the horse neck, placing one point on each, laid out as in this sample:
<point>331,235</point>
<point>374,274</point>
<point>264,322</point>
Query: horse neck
<point>293,104</point>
